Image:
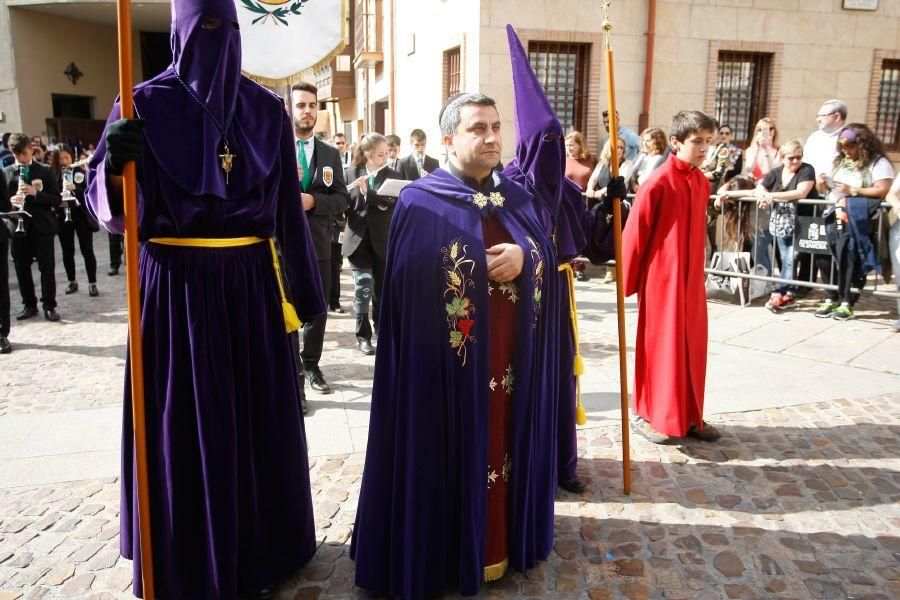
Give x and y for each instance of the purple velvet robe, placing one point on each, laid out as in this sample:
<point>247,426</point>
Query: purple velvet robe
<point>539,166</point>
<point>231,508</point>
<point>420,523</point>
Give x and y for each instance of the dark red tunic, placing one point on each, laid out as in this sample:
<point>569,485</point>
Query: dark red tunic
<point>502,300</point>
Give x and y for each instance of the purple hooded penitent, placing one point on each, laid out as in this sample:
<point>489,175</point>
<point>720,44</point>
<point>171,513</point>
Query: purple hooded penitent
<point>185,139</point>
<point>230,500</point>
<point>540,166</point>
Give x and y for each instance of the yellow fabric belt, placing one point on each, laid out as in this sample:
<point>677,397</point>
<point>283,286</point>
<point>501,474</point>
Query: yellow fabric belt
<point>580,414</point>
<point>291,320</point>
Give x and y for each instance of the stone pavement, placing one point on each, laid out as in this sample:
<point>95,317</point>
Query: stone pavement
<point>798,500</point>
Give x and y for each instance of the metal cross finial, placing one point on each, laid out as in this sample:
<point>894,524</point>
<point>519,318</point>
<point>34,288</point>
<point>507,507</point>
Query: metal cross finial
<point>606,25</point>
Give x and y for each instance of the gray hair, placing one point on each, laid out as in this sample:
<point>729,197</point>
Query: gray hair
<point>838,106</point>
<point>450,115</point>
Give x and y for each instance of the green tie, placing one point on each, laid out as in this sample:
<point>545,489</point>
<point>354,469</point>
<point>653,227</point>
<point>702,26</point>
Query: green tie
<point>371,182</point>
<point>304,162</point>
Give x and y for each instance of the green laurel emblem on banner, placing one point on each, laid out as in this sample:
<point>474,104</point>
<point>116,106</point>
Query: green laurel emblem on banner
<point>284,10</point>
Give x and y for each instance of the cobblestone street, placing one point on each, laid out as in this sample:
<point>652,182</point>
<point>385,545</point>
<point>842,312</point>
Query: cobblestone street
<point>800,498</point>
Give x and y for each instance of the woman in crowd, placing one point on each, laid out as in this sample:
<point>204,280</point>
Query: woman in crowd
<point>596,187</point>
<point>365,238</point>
<point>861,170</point>
<point>893,200</point>
<point>737,231</point>
<point>761,157</point>
<point>580,164</point>
<point>653,146</point>
<point>74,220</point>
<point>724,160</point>
<point>778,192</point>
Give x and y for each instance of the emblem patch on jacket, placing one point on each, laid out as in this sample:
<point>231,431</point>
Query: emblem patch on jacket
<point>78,178</point>
<point>38,185</point>
<point>327,176</point>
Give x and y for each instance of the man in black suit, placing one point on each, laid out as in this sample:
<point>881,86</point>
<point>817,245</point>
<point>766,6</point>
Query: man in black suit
<point>324,198</point>
<point>39,196</point>
<point>340,142</point>
<point>418,164</point>
<point>5,206</point>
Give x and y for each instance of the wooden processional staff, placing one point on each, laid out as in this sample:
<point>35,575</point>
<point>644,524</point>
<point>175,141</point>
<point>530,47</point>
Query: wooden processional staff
<point>135,347</point>
<point>617,227</point>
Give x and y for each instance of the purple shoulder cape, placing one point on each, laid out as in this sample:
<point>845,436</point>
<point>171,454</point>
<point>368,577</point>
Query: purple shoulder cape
<point>421,518</point>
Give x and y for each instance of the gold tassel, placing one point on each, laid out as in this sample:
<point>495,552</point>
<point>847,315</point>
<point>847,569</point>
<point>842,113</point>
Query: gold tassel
<point>579,366</point>
<point>578,363</point>
<point>291,320</point>
<point>580,413</point>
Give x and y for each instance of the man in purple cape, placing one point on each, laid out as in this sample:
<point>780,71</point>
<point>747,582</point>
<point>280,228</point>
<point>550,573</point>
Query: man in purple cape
<point>422,524</point>
<point>540,166</point>
<point>230,500</point>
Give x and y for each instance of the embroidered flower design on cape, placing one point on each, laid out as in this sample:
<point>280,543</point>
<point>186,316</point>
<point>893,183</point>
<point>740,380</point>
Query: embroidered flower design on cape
<point>511,290</point>
<point>509,380</point>
<point>458,269</point>
<point>495,199</point>
<point>537,259</point>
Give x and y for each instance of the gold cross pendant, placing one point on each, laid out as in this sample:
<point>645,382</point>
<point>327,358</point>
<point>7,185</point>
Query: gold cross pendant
<point>227,160</point>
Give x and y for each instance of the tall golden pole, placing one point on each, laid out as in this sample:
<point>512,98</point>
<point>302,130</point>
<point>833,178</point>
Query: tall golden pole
<point>135,347</point>
<point>617,226</point>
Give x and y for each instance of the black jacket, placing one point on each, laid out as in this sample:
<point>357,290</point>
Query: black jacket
<point>331,198</point>
<point>408,168</point>
<point>5,206</point>
<point>369,216</point>
<point>41,206</point>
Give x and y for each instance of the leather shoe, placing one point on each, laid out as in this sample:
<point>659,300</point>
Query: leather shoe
<point>264,594</point>
<point>92,290</point>
<point>317,381</point>
<point>26,313</point>
<point>337,309</point>
<point>113,271</point>
<point>365,346</point>
<point>5,346</point>
<point>706,434</point>
<point>72,287</point>
<point>574,485</point>
<point>51,315</point>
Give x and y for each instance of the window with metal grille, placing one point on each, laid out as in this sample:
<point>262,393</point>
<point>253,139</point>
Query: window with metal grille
<point>742,91</point>
<point>562,68</point>
<point>451,72</point>
<point>887,117</point>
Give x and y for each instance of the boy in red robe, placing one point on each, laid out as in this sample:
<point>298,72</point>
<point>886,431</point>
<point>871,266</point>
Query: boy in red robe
<point>663,252</point>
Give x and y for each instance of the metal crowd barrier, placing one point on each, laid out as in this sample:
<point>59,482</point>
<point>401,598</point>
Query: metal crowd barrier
<point>813,268</point>
<point>763,226</point>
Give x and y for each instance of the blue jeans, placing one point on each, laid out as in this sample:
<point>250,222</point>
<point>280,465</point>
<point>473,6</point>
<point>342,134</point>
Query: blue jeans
<point>786,249</point>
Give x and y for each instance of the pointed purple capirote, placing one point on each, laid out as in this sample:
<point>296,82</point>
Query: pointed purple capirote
<point>540,146</point>
<point>206,53</point>
<point>540,166</point>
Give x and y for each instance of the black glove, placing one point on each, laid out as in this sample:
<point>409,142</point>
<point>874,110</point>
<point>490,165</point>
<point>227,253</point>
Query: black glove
<point>616,188</point>
<point>124,142</point>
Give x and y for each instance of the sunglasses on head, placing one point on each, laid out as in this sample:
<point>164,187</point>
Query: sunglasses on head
<point>793,158</point>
